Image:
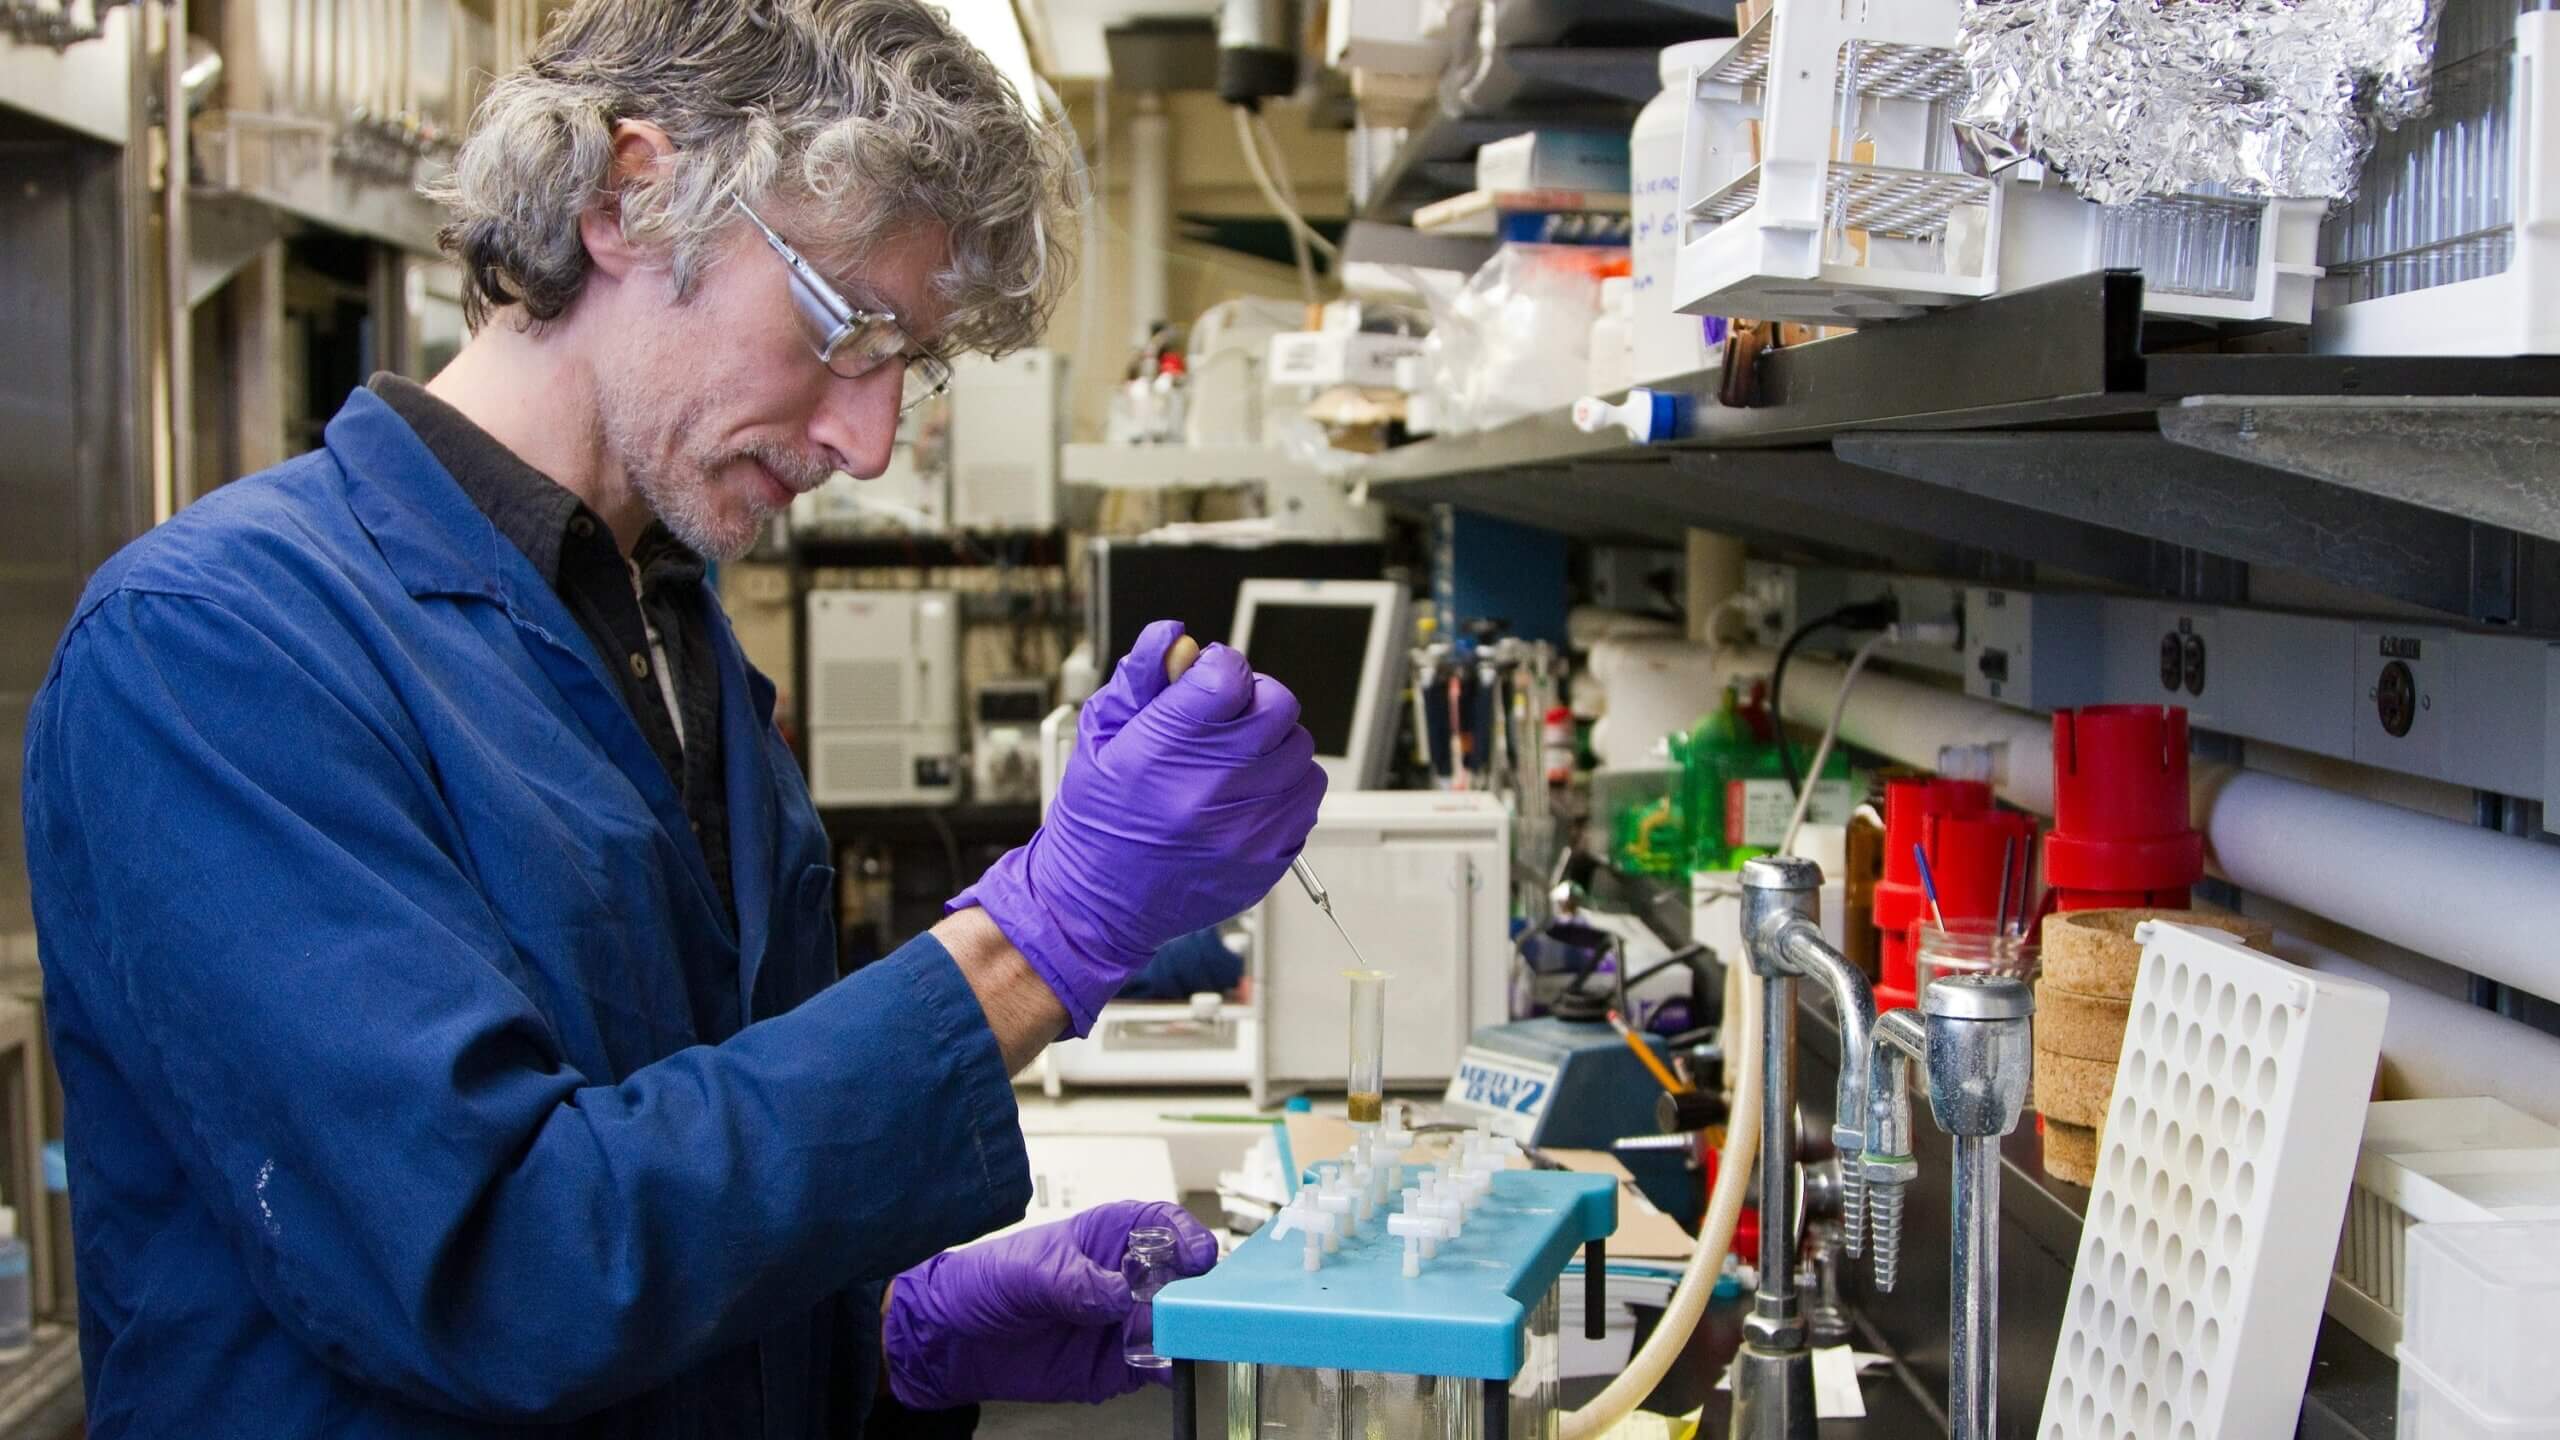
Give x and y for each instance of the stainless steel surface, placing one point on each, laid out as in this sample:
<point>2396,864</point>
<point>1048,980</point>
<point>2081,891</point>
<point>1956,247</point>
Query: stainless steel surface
<point>1781,929</point>
<point>1772,1391</point>
<point>1781,917</point>
<point>1887,1161</point>
<point>1776,1320</point>
<point>1980,1068</point>
<point>1973,1324</point>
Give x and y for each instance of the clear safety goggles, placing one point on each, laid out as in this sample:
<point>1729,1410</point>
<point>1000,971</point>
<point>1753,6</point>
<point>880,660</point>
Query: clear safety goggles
<point>852,342</point>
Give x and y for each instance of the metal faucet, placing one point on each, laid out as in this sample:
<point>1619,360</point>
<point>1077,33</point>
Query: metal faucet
<point>1972,1034</point>
<point>1773,1380</point>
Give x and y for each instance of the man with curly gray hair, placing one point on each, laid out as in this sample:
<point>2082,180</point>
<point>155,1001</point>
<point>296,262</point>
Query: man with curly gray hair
<point>438,937</point>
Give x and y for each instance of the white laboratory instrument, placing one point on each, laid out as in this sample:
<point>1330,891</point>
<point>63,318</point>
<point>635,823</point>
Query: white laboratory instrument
<point>1008,421</point>
<point>1004,740</point>
<point>1421,877</point>
<point>1341,648</point>
<point>884,697</point>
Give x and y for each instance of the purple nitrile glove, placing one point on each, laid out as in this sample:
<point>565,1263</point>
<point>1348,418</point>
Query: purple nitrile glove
<point>1040,1315</point>
<point>1181,807</point>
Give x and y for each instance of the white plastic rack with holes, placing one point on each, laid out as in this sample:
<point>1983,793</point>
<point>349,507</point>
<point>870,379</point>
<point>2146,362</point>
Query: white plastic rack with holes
<point>1819,179</point>
<point>2222,1177</point>
<point>1820,182</point>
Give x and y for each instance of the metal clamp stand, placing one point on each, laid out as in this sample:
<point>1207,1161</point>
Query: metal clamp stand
<point>1972,1033</point>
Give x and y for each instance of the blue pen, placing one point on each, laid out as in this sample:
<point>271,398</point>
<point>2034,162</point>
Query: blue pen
<point>1929,883</point>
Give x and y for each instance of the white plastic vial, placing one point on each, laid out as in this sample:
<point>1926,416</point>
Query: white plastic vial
<point>1663,341</point>
<point>17,1314</point>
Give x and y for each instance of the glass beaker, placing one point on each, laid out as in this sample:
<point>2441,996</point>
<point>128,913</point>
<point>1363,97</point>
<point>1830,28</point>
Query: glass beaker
<point>1148,1267</point>
<point>1976,946</point>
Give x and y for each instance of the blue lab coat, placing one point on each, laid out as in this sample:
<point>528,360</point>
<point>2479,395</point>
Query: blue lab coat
<point>365,912</point>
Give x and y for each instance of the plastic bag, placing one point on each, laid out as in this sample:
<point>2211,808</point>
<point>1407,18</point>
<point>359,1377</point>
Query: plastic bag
<point>1517,340</point>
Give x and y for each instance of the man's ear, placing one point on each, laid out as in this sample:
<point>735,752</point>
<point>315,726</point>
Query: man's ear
<point>638,148</point>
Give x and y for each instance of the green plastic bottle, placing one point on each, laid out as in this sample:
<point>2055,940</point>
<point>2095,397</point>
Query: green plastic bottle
<point>1734,792</point>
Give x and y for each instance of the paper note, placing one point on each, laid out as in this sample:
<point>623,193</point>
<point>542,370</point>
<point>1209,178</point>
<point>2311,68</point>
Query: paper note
<point>1835,1384</point>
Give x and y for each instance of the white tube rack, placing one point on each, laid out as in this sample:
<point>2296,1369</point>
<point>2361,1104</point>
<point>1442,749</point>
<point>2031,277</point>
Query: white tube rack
<point>2465,263</point>
<point>1775,225</point>
<point>1796,233</point>
<point>2227,1155</point>
<point>2202,257</point>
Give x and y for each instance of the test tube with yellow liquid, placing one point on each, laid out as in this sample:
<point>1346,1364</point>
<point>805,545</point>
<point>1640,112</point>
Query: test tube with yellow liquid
<point>1368,1078</point>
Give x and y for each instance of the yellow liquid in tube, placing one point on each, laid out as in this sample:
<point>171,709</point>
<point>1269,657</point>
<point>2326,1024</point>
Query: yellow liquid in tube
<point>1367,1109</point>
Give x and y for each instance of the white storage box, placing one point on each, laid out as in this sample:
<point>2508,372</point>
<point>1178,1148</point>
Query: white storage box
<point>2432,1410</point>
<point>2484,1317</point>
<point>2428,1161</point>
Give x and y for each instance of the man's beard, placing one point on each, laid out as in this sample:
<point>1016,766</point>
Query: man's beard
<point>681,493</point>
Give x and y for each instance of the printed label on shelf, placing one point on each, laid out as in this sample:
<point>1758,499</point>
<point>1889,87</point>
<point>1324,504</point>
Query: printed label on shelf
<point>1756,811</point>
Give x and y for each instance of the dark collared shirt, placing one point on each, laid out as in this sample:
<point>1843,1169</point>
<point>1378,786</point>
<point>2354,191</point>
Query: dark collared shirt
<point>659,592</point>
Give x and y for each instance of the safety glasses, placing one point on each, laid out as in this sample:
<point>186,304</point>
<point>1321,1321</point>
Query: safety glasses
<point>853,342</point>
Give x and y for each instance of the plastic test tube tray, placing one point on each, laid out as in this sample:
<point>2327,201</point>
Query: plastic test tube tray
<point>1465,1315</point>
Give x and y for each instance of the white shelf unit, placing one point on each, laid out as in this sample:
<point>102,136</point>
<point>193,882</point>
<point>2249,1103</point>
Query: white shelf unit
<point>2453,245</point>
<point>1796,231</point>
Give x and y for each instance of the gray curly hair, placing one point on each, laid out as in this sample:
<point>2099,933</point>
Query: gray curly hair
<point>865,116</point>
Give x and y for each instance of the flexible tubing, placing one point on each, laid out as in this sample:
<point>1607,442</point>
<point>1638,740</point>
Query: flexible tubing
<point>1715,1238</point>
<point>1831,735</point>
<point>1271,192</point>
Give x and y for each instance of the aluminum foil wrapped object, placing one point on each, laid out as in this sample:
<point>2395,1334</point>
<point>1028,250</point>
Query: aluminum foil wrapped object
<point>2128,98</point>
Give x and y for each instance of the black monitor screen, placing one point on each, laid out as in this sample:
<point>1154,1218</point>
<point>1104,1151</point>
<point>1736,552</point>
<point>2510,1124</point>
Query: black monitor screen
<point>1318,651</point>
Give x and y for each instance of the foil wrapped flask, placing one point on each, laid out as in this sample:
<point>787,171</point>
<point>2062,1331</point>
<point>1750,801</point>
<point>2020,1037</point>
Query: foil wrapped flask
<point>2133,98</point>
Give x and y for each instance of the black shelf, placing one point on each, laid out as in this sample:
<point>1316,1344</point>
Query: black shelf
<point>2035,429</point>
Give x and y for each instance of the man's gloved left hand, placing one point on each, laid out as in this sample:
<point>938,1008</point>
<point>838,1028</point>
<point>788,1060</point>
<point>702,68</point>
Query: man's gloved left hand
<point>1040,1315</point>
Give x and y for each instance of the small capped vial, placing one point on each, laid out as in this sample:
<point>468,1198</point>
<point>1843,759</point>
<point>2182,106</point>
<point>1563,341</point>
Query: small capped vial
<point>1148,1267</point>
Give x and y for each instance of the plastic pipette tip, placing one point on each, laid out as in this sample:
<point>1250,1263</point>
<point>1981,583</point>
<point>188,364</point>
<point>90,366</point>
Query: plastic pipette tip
<point>1929,883</point>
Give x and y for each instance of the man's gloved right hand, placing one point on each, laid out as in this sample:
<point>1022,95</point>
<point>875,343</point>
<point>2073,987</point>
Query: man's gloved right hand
<point>1182,806</point>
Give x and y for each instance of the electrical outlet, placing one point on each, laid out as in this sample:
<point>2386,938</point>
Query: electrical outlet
<point>2403,674</point>
<point>2040,651</point>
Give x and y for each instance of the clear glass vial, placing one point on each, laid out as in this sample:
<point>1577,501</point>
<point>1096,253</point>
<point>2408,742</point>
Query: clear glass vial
<point>1148,1267</point>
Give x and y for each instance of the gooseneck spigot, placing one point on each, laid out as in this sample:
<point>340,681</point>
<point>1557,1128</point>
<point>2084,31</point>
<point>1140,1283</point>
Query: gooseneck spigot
<point>1981,1065</point>
<point>1773,1387</point>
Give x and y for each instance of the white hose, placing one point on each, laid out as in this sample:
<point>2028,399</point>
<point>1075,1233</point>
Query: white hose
<point>1715,1238</point>
<point>1831,734</point>
<point>1299,229</point>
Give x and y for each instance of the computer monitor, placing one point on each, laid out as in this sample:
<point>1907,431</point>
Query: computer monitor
<point>1340,646</point>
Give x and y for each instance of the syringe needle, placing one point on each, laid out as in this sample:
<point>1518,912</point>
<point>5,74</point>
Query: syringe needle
<point>1306,874</point>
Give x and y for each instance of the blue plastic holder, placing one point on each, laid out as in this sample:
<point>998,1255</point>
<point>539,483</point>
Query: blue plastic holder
<point>1466,1314</point>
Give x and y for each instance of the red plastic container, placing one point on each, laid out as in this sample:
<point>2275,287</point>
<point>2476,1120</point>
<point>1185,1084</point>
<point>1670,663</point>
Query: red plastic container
<point>1909,805</point>
<point>2120,831</point>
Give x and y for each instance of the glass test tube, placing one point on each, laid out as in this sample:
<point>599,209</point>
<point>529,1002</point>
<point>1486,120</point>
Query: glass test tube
<point>1368,1075</point>
<point>1148,1267</point>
